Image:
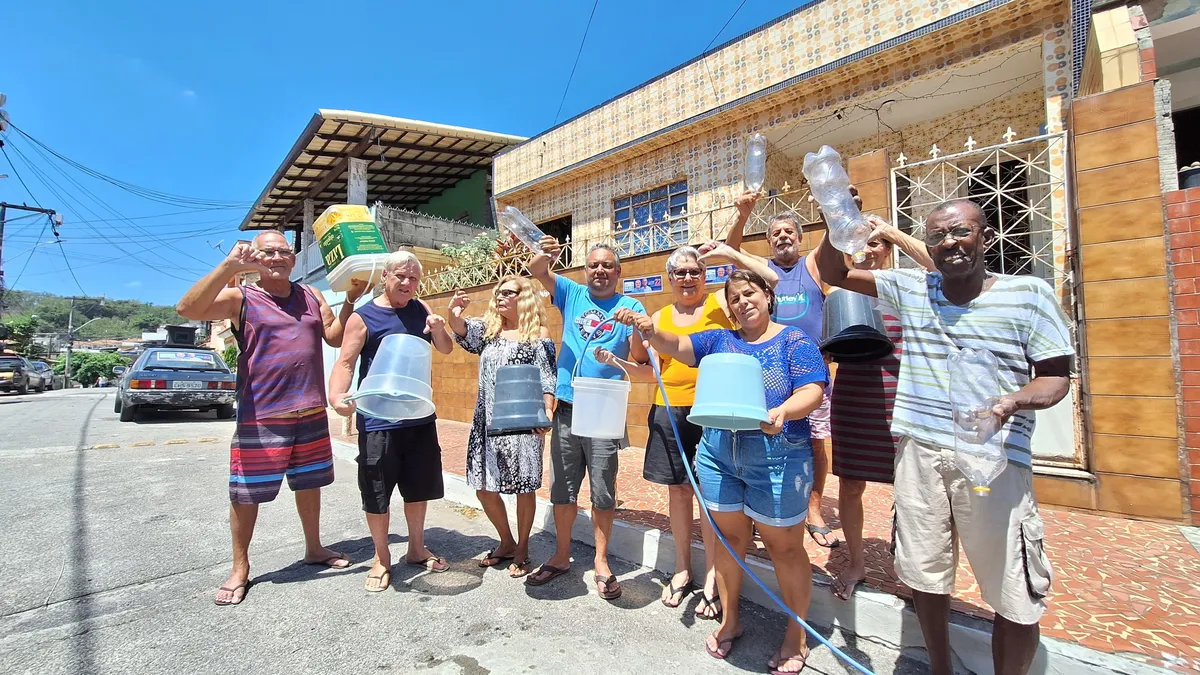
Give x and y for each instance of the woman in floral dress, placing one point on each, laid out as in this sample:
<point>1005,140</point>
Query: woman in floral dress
<point>511,332</point>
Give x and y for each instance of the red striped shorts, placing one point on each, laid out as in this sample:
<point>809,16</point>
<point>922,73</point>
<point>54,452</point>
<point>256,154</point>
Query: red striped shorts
<point>263,452</point>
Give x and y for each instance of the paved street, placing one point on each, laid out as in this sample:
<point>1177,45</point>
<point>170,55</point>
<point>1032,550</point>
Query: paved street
<point>118,537</point>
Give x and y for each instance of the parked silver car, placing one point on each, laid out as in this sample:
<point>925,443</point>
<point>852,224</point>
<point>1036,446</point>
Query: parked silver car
<point>52,381</point>
<point>176,378</point>
<point>18,374</point>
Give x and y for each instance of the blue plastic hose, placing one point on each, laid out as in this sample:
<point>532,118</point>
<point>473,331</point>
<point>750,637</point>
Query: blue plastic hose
<point>696,487</point>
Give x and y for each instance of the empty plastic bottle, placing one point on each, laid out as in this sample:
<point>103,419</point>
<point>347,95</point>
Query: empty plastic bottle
<point>830,186</point>
<point>756,162</point>
<point>974,388</point>
<point>514,221</point>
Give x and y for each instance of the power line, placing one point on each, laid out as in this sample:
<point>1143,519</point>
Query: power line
<point>704,52</point>
<point>68,262</point>
<point>18,175</point>
<point>577,55</point>
<point>144,192</point>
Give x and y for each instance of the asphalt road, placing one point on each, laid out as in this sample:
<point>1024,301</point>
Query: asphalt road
<point>117,537</point>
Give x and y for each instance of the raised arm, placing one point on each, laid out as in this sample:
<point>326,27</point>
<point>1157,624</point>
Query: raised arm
<point>210,299</point>
<point>353,339</point>
<point>458,304</point>
<point>745,206</point>
<point>539,266</point>
<point>753,263</point>
<point>911,246</point>
<point>335,325</point>
<point>832,266</point>
<point>435,327</point>
<point>678,347</point>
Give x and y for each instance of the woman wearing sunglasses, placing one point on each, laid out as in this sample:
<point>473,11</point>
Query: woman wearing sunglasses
<point>512,332</point>
<point>693,310</point>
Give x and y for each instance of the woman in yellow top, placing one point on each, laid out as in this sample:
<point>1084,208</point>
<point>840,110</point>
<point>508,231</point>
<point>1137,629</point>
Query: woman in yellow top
<point>693,311</point>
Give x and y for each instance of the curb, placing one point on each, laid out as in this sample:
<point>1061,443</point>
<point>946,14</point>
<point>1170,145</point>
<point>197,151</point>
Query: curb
<point>872,615</point>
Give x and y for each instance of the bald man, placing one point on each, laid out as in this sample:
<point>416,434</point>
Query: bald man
<point>282,430</point>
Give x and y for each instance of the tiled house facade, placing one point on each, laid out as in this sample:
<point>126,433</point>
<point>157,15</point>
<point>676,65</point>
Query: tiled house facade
<point>924,101</point>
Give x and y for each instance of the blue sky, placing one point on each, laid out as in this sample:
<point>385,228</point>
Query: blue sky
<point>205,99</point>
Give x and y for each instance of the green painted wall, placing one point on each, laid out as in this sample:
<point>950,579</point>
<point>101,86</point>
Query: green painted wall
<point>469,194</point>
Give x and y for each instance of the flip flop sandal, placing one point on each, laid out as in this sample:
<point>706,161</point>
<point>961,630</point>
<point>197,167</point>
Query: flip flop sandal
<point>612,587</point>
<point>491,560</point>
<point>381,587</point>
<point>824,531</point>
<point>430,563</point>
<point>524,565</point>
<point>328,562</point>
<point>714,601</point>
<point>555,572</point>
<point>725,646</point>
<point>682,591</point>
<point>244,587</point>
<point>780,660</point>
<point>844,594</point>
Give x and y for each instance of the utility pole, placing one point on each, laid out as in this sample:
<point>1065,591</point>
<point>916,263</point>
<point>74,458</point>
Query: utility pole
<point>71,336</point>
<point>4,207</point>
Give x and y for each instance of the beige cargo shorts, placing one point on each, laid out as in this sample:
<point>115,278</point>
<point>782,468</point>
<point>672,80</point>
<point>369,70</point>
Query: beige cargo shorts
<point>1001,533</point>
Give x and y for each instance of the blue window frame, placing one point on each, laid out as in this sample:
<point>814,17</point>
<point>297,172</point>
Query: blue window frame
<point>651,220</point>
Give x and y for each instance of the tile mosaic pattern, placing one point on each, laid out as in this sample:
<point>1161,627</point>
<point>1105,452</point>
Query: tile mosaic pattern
<point>1121,586</point>
<point>818,36</point>
<point>708,154</point>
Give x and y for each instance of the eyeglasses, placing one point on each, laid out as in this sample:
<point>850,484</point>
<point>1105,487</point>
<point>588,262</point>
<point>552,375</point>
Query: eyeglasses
<point>687,273</point>
<point>959,233</point>
<point>507,293</point>
<point>272,252</point>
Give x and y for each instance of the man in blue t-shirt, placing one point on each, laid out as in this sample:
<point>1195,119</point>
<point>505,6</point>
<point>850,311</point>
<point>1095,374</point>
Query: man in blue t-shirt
<point>585,309</point>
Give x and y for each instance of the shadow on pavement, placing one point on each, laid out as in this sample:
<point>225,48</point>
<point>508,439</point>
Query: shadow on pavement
<point>174,416</point>
<point>83,644</point>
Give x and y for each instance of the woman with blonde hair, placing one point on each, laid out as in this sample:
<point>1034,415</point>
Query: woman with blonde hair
<point>512,331</point>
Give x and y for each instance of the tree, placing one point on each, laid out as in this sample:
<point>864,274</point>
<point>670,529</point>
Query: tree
<point>20,333</point>
<point>86,367</point>
<point>230,355</point>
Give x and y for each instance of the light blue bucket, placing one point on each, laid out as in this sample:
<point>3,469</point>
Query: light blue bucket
<point>729,393</point>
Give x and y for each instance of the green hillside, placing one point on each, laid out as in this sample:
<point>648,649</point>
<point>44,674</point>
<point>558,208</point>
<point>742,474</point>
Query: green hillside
<point>114,318</point>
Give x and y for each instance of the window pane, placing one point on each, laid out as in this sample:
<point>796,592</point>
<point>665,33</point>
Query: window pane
<point>681,186</point>
<point>677,210</point>
<point>641,215</point>
<point>658,192</point>
<point>658,210</point>
<point>641,198</point>
<point>621,214</point>
<point>679,200</point>
<point>620,203</point>
<point>621,225</point>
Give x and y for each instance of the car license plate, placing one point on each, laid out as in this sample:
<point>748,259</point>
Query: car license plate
<point>185,384</point>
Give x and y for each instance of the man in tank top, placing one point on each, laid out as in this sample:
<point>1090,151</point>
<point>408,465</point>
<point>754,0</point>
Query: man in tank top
<point>403,454</point>
<point>800,298</point>
<point>282,430</point>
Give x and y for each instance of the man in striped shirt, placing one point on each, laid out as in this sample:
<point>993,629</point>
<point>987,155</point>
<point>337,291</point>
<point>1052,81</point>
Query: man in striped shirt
<point>1019,320</point>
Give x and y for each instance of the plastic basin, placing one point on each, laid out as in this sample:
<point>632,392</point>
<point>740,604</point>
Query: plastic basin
<point>397,387</point>
<point>729,393</point>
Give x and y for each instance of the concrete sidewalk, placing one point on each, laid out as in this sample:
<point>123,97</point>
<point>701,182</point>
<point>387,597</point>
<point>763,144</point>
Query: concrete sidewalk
<point>885,615</point>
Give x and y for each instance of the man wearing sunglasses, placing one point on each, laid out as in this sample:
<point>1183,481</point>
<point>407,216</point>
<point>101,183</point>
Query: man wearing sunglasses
<point>1020,321</point>
<point>282,429</point>
<point>585,309</point>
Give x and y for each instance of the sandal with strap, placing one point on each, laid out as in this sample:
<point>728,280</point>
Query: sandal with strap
<point>681,590</point>
<point>779,660</point>
<point>705,603</point>
<point>611,589</point>
<point>724,647</point>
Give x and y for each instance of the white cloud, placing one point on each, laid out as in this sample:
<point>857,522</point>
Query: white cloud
<point>134,284</point>
<point>188,94</point>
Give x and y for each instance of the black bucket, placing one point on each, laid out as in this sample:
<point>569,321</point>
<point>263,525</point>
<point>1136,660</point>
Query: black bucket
<point>852,329</point>
<point>518,406</point>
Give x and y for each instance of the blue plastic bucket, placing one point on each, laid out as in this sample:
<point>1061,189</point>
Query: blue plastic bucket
<point>729,393</point>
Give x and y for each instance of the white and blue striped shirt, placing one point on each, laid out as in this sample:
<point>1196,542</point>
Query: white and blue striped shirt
<point>1018,319</point>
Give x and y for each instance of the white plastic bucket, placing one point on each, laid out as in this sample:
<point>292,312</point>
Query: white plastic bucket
<point>599,407</point>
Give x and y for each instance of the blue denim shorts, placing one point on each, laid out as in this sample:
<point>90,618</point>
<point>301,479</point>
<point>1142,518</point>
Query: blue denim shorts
<point>769,477</point>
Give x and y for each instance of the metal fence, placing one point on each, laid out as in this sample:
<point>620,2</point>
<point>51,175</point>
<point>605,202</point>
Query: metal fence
<point>665,235</point>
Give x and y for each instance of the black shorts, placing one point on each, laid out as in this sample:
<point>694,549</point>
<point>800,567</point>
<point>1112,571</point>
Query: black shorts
<point>664,465</point>
<point>409,458</point>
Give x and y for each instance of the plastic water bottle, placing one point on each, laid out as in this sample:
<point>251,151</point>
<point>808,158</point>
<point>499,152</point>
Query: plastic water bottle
<point>523,228</point>
<point>978,443</point>
<point>830,186</point>
<point>756,162</point>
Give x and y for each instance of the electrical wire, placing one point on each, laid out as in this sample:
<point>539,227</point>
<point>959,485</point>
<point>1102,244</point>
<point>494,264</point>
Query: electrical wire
<point>144,192</point>
<point>576,65</point>
<point>704,52</point>
<point>72,271</point>
<point>50,185</point>
<point>35,201</point>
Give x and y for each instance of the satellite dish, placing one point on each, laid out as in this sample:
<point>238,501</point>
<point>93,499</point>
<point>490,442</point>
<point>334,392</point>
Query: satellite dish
<point>3,100</point>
